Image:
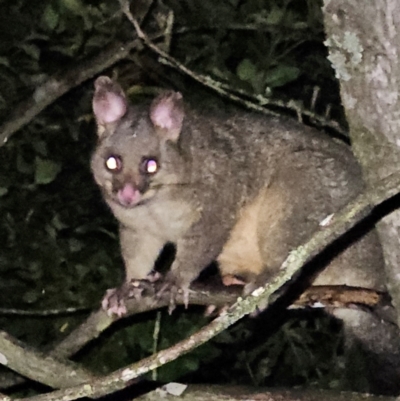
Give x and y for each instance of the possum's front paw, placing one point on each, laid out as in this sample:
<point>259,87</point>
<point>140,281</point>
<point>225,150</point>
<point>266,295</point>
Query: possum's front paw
<point>114,300</point>
<point>177,288</point>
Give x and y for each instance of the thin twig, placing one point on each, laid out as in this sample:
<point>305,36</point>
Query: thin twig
<point>256,102</point>
<point>156,335</point>
<point>59,84</point>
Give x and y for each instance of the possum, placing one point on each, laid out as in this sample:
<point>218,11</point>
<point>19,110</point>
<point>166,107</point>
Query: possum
<point>239,188</point>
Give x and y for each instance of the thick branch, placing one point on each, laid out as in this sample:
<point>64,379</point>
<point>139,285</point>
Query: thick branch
<point>39,367</point>
<point>321,296</point>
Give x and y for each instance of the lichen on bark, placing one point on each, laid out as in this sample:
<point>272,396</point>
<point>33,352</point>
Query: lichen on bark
<point>369,91</point>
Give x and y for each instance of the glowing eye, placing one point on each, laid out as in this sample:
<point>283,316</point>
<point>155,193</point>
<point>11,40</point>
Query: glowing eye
<point>150,166</point>
<point>114,163</point>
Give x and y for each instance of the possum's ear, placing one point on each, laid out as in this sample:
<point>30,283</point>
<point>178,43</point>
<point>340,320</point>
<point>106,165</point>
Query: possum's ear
<point>166,114</point>
<point>109,103</point>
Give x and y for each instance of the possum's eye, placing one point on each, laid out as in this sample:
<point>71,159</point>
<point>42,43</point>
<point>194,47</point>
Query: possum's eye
<point>114,164</point>
<point>149,165</point>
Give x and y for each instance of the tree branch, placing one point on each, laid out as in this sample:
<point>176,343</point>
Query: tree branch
<point>60,84</point>
<point>55,373</point>
<point>316,296</point>
<point>39,367</point>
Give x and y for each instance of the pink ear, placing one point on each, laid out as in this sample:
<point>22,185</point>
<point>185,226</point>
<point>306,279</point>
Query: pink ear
<point>166,112</point>
<point>109,102</point>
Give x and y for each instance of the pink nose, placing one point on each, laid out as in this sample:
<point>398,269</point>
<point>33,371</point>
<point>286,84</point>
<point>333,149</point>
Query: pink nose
<point>128,195</point>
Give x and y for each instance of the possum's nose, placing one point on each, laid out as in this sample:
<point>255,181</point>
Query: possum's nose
<point>128,195</point>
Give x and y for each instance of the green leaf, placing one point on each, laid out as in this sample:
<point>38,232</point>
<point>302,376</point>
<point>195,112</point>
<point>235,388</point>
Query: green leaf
<point>246,70</point>
<point>31,50</point>
<point>4,61</point>
<point>46,170</point>
<point>51,231</point>
<point>75,245</point>
<point>281,75</point>
<point>75,6</point>
<point>50,17</point>
<point>3,191</point>
<point>95,41</point>
<point>275,15</point>
<point>57,223</point>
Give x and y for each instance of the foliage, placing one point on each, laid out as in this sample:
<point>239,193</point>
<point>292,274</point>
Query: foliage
<point>271,48</point>
<point>59,241</point>
<point>302,350</point>
<point>136,341</point>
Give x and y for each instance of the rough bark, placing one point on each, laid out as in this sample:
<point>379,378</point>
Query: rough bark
<point>363,38</point>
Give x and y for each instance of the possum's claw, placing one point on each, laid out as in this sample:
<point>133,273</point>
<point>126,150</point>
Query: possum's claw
<point>175,289</point>
<point>114,300</point>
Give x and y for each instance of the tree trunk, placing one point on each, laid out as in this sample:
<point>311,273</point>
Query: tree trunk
<point>364,47</point>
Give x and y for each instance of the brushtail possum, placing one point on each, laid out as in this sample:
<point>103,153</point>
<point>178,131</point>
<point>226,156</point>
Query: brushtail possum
<point>236,187</point>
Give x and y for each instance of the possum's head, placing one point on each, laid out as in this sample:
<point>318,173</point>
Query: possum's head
<point>137,152</point>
